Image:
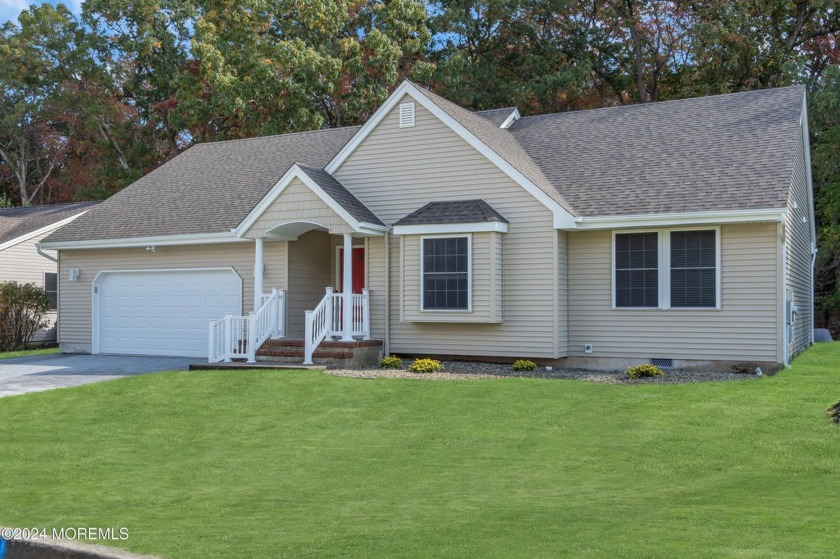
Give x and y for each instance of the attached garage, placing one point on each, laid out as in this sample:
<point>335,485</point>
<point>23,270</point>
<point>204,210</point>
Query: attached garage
<point>161,312</point>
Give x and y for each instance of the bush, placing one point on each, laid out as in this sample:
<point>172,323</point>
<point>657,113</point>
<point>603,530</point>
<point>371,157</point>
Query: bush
<point>524,365</point>
<point>745,368</point>
<point>23,307</point>
<point>644,370</point>
<point>833,412</point>
<point>390,362</point>
<point>425,366</point>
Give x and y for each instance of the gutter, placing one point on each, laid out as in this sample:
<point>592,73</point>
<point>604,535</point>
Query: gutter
<point>44,254</point>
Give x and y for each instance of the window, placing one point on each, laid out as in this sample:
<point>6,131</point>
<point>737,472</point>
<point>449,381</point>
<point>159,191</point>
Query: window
<point>51,287</point>
<point>693,269</point>
<point>446,273</point>
<point>667,269</point>
<point>637,270</point>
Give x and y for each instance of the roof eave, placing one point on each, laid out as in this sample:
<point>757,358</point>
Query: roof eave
<point>680,219</point>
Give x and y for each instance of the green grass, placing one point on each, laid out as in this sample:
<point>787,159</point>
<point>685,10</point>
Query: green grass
<point>290,464</point>
<point>27,352</point>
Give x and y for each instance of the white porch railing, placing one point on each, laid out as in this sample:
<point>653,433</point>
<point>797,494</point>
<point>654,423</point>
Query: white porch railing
<point>327,319</point>
<point>236,337</point>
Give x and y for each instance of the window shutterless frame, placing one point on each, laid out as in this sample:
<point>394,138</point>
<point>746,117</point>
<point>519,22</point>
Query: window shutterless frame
<point>423,308</point>
<point>51,288</point>
<point>664,275</point>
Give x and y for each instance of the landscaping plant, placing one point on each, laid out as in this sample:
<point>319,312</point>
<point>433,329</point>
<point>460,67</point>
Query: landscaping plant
<point>524,365</point>
<point>390,362</point>
<point>644,370</point>
<point>23,307</point>
<point>425,366</point>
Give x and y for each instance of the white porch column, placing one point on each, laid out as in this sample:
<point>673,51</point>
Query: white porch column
<point>347,292</point>
<point>258,274</point>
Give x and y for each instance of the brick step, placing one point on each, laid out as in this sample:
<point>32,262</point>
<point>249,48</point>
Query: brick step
<point>325,344</point>
<point>274,352</point>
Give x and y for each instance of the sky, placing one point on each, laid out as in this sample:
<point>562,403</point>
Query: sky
<point>10,9</point>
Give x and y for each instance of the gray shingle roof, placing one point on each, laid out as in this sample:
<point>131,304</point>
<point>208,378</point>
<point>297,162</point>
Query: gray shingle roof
<point>725,152</point>
<point>15,222</point>
<point>208,188</point>
<point>340,194</point>
<point>496,116</point>
<point>461,211</point>
<point>502,143</point>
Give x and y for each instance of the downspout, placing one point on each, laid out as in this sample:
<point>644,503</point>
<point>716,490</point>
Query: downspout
<point>813,263</point>
<point>386,343</point>
<point>44,254</point>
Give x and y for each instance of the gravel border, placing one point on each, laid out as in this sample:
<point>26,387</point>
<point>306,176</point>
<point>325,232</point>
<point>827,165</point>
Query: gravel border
<point>472,370</point>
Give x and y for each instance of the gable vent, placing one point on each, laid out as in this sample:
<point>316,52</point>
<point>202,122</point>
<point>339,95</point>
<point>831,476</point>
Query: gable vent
<point>406,115</point>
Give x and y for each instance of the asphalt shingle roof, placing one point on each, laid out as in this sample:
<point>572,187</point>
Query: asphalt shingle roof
<point>15,222</point>
<point>340,194</point>
<point>461,211</point>
<point>496,116</point>
<point>724,152</point>
<point>206,189</point>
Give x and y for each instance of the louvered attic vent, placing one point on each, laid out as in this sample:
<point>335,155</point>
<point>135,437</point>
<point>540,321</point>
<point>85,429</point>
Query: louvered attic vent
<point>406,115</point>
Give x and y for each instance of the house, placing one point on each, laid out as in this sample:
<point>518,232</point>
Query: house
<point>680,232</point>
<point>21,229</point>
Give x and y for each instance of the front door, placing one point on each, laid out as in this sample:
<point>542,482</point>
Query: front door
<point>358,269</point>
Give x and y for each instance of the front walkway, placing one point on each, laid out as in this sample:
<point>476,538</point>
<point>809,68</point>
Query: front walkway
<point>45,372</point>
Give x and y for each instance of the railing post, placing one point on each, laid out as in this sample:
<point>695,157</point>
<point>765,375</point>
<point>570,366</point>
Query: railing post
<point>211,343</point>
<point>366,313</point>
<point>275,313</point>
<point>281,315</point>
<point>329,312</point>
<point>307,360</point>
<point>227,338</point>
<point>252,337</point>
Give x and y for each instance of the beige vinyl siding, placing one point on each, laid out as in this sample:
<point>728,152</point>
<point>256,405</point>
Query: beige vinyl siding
<point>798,254</point>
<point>297,203</point>
<point>75,296</point>
<point>375,281</point>
<point>562,292</point>
<point>486,304</point>
<point>745,328</point>
<point>397,170</point>
<point>22,263</point>
<point>309,274</point>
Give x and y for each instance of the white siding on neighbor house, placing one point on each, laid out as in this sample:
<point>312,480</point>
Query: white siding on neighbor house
<point>486,282</point>
<point>75,320</point>
<point>798,254</point>
<point>745,328</point>
<point>297,203</point>
<point>395,171</point>
<point>22,263</point>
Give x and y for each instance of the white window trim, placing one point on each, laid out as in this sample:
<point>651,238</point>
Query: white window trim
<point>56,288</point>
<point>469,275</point>
<point>664,263</point>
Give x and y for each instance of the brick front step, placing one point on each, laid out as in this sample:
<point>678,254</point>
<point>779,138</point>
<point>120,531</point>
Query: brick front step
<point>325,343</point>
<point>334,354</point>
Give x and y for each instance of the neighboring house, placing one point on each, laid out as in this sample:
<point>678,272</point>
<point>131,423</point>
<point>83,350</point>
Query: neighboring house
<point>680,232</point>
<point>20,231</point>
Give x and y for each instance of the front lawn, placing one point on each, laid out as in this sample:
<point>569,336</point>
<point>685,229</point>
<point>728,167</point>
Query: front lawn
<point>27,352</point>
<point>290,464</point>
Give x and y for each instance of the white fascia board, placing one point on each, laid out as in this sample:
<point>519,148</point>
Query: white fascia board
<point>163,240</point>
<point>445,228</point>
<point>514,116</point>
<point>809,186</point>
<point>39,232</point>
<point>678,219</point>
<point>562,218</point>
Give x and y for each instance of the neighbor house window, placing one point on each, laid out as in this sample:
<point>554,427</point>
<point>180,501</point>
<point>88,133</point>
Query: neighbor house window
<point>689,262</point>
<point>637,269</point>
<point>446,273</point>
<point>51,287</point>
<point>693,269</point>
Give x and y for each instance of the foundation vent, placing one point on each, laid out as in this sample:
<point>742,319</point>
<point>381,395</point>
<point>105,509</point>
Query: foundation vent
<point>662,362</point>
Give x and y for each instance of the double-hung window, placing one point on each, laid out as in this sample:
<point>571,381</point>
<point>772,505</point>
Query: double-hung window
<point>667,269</point>
<point>446,273</point>
<point>51,288</point>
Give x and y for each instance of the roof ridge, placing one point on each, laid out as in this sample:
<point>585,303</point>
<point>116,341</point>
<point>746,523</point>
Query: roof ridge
<point>284,135</point>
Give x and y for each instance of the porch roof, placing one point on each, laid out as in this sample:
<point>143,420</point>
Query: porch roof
<point>341,195</point>
<point>461,211</point>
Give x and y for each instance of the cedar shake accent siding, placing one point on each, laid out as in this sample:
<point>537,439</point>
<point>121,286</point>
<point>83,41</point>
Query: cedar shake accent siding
<point>397,170</point>
<point>75,296</point>
<point>798,254</point>
<point>298,203</point>
<point>745,328</point>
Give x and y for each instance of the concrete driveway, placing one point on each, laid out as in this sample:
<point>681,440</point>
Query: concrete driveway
<point>45,372</point>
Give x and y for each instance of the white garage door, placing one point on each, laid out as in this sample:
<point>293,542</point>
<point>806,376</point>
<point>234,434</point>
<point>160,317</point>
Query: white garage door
<point>162,312</point>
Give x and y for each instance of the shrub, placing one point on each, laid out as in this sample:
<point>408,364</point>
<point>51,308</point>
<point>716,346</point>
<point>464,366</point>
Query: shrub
<point>745,368</point>
<point>524,365</point>
<point>833,412</point>
<point>23,307</point>
<point>425,366</point>
<point>644,370</point>
<point>390,362</point>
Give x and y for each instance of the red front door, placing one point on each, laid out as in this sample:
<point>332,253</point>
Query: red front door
<point>358,269</point>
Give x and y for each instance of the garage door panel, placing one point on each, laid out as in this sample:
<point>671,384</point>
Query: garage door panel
<point>163,312</point>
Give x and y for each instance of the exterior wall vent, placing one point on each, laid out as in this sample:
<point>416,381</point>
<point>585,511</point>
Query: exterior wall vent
<point>662,362</point>
<point>406,115</point>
